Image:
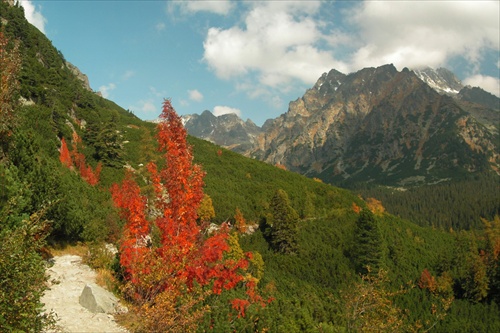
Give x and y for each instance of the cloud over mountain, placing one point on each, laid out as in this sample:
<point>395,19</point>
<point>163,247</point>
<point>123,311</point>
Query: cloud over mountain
<point>34,15</point>
<point>276,44</point>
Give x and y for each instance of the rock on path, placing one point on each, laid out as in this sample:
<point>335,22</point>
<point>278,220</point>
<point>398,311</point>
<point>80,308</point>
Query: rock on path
<point>67,278</point>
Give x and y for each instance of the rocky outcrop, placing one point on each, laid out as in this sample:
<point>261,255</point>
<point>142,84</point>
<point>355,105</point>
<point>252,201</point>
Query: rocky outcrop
<point>79,75</point>
<point>97,299</point>
<point>226,130</point>
<point>442,80</point>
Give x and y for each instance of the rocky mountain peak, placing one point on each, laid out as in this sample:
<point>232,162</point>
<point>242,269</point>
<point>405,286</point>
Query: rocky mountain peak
<point>376,125</point>
<point>380,125</point>
<point>227,130</point>
<point>442,80</point>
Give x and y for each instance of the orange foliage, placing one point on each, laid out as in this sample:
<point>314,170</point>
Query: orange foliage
<point>68,158</point>
<point>132,204</point>
<point>427,281</point>
<point>356,208</point>
<point>375,206</point>
<point>64,156</point>
<point>280,166</point>
<point>186,258</point>
<point>241,223</point>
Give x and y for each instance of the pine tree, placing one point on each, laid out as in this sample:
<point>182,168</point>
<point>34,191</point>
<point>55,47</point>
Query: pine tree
<point>284,221</point>
<point>367,243</point>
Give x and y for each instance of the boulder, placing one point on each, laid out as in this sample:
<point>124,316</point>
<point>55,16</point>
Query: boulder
<point>97,299</point>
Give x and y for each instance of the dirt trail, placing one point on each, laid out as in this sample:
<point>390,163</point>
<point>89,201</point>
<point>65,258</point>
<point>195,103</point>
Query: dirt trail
<point>67,278</point>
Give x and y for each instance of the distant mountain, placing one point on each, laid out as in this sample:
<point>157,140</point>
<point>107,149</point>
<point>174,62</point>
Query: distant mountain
<point>442,80</point>
<point>226,130</point>
<point>382,126</point>
<point>377,125</point>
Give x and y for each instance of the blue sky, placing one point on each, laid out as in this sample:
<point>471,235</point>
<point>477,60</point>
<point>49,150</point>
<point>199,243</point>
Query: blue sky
<point>253,58</point>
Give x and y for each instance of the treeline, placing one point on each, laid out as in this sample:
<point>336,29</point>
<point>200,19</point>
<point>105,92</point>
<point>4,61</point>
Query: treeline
<point>450,205</point>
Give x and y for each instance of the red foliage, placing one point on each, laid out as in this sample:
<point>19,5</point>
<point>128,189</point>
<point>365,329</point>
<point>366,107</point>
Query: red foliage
<point>356,208</point>
<point>64,156</point>
<point>427,281</point>
<point>132,206</point>
<point>182,180</point>
<point>240,305</point>
<point>68,158</point>
<point>240,222</point>
<point>186,253</point>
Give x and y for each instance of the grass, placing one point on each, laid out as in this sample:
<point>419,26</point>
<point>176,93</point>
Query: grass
<point>78,249</point>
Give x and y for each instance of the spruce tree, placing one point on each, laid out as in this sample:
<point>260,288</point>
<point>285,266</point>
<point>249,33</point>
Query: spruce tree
<point>284,220</point>
<point>367,243</point>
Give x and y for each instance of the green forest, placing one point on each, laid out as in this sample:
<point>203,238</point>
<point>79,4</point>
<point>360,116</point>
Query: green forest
<point>292,254</point>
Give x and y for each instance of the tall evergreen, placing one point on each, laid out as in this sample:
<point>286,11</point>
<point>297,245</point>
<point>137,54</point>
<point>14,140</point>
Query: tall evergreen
<point>284,220</point>
<point>367,249</point>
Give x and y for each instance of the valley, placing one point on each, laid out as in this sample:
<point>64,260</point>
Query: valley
<point>371,205</point>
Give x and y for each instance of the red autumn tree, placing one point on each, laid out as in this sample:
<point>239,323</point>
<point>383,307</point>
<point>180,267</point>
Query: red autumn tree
<point>132,204</point>
<point>185,258</point>
<point>427,281</point>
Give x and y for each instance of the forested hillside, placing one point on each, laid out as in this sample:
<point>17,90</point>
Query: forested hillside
<point>450,205</point>
<point>230,243</point>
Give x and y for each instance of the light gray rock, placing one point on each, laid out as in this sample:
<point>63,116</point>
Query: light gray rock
<point>97,299</point>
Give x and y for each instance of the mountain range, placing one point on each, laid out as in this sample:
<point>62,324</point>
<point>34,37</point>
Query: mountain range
<point>377,125</point>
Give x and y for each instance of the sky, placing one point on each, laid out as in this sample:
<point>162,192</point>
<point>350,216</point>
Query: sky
<point>253,58</point>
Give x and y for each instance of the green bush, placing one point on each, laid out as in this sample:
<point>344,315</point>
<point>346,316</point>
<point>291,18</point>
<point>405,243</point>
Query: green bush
<point>22,276</point>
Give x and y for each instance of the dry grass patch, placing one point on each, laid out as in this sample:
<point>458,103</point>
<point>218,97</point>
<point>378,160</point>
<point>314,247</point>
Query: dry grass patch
<point>78,249</point>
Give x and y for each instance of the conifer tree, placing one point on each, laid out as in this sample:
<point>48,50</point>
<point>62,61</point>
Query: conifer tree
<point>284,221</point>
<point>367,249</point>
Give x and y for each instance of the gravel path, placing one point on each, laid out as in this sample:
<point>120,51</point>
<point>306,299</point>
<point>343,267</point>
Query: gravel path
<point>67,279</point>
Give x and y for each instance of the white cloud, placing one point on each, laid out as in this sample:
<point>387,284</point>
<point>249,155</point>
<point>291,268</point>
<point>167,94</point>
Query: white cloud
<point>424,33</point>
<point>160,26</point>
<point>195,95</point>
<point>220,7</point>
<point>154,92</point>
<point>33,15</point>
<point>106,89</point>
<point>279,46</point>
<point>146,106</point>
<point>488,83</point>
<point>128,74</point>
<point>277,42</point>
<point>220,110</point>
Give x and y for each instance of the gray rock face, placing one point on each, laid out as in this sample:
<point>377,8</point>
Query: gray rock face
<point>227,130</point>
<point>98,300</point>
<point>441,80</point>
<point>82,77</point>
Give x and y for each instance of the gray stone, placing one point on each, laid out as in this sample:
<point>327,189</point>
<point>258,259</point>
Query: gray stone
<point>97,299</point>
